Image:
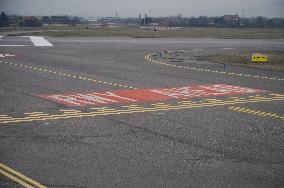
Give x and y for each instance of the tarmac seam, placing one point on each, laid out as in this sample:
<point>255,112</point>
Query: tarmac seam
<point>148,58</point>
<point>69,75</point>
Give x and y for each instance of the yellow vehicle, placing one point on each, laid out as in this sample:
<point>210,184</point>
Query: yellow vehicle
<point>259,58</point>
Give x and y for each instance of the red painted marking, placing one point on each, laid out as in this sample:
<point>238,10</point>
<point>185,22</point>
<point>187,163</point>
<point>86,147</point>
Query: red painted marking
<point>148,95</point>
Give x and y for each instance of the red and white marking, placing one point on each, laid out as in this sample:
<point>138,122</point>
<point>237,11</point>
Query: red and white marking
<point>39,41</point>
<point>7,55</point>
<point>148,95</point>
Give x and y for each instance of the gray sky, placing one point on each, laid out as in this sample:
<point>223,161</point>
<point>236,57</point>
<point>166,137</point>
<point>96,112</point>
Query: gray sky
<point>125,8</point>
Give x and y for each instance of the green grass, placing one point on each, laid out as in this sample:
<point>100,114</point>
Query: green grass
<point>89,31</point>
<point>238,58</point>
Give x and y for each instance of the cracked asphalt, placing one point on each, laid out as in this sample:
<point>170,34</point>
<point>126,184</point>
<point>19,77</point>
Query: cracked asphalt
<point>198,147</point>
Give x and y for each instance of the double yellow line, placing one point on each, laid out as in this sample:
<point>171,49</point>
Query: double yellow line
<point>103,111</point>
<point>19,178</point>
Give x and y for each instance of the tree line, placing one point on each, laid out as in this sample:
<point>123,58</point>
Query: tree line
<point>204,21</point>
<point>233,21</point>
<point>32,21</point>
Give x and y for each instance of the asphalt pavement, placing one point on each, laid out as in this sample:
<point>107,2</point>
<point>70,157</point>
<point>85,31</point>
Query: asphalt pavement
<point>107,112</point>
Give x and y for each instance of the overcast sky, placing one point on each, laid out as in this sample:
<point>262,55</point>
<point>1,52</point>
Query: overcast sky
<point>125,8</point>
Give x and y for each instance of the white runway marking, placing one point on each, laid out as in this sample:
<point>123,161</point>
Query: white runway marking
<point>39,41</point>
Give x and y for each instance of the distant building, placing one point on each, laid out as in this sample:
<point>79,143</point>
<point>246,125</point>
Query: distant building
<point>31,21</point>
<point>153,24</point>
<point>232,18</point>
<point>111,20</point>
<point>58,20</point>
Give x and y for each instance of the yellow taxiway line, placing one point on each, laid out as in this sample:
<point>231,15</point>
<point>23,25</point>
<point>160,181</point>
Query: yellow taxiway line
<point>104,111</point>
<point>19,178</point>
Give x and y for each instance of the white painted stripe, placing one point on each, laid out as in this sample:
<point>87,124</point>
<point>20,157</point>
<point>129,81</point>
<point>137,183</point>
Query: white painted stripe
<point>198,49</point>
<point>39,41</point>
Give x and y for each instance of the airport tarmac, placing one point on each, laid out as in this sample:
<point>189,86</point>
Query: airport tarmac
<point>103,112</point>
